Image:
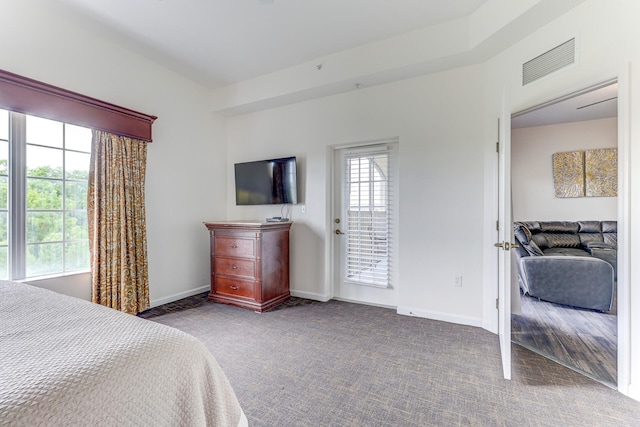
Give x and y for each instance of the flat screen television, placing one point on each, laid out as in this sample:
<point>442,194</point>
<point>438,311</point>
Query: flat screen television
<point>267,182</point>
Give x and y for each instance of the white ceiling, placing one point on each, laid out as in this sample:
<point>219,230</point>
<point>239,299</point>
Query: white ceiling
<point>219,42</point>
<point>222,42</point>
<point>600,103</point>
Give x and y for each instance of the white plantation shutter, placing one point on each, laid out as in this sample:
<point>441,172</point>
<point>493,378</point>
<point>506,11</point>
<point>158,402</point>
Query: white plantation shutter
<point>367,193</point>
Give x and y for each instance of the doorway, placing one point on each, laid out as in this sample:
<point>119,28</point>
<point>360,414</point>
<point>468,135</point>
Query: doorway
<point>583,340</point>
<point>364,223</point>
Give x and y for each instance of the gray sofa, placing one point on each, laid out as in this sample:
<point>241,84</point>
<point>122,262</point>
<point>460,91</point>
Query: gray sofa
<point>570,263</point>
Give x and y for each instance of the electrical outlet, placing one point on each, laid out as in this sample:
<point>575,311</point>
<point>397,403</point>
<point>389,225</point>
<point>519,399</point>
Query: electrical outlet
<point>303,208</point>
<point>457,281</point>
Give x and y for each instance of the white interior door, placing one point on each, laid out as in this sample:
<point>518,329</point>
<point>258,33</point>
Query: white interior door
<point>505,234</point>
<point>364,224</point>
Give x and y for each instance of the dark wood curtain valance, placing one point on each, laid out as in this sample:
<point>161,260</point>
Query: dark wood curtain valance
<point>29,96</point>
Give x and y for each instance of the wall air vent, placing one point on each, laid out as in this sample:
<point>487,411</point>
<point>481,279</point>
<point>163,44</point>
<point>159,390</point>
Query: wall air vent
<point>550,61</point>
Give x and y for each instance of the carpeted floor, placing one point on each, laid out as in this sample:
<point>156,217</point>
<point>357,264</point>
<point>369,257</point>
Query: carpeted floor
<point>339,364</point>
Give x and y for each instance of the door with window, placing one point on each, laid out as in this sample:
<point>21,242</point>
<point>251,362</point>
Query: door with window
<point>365,225</point>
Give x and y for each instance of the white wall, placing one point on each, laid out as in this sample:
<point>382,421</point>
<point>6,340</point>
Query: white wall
<point>441,195</point>
<point>186,166</point>
<point>532,190</point>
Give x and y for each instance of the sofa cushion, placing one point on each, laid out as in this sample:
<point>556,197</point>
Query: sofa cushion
<point>609,226</point>
<point>533,226</point>
<point>561,240</point>
<point>590,232</point>
<point>590,238</point>
<point>559,227</point>
<point>610,232</point>
<point>589,227</point>
<point>540,239</point>
<point>522,233</point>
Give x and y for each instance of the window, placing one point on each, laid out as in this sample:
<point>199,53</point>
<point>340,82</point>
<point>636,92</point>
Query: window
<point>43,173</point>
<point>368,217</point>
<point>44,168</point>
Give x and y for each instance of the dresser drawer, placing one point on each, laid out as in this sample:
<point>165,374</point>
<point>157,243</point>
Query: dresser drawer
<point>240,288</point>
<point>235,266</point>
<point>235,246</point>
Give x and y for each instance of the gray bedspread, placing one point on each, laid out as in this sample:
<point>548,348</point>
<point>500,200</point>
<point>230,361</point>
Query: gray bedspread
<point>64,361</point>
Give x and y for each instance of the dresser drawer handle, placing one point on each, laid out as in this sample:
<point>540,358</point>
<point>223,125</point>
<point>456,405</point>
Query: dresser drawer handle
<point>234,267</point>
<point>235,288</point>
<point>234,246</point>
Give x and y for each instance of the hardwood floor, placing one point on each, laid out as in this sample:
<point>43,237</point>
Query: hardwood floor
<point>583,340</point>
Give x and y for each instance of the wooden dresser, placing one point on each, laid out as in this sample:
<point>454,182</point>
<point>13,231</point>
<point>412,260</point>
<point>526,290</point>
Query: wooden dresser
<point>249,263</point>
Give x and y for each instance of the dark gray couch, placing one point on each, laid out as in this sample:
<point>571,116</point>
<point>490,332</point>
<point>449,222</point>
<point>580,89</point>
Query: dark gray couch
<point>570,263</point>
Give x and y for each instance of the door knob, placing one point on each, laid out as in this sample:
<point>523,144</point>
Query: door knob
<point>506,245</point>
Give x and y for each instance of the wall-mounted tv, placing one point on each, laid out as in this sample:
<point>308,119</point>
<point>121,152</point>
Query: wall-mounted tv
<point>267,182</point>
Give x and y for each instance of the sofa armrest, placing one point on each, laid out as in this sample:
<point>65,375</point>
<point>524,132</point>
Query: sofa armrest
<point>576,281</point>
<point>599,245</point>
<point>606,253</point>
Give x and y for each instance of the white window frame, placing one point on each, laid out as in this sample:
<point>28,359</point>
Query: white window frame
<point>354,272</point>
<point>17,203</point>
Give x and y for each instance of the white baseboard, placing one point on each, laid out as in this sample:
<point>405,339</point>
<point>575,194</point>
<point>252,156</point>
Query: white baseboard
<point>373,304</point>
<point>489,326</point>
<point>310,295</point>
<point>176,297</point>
<point>434,315</point>
<point>633,391</point>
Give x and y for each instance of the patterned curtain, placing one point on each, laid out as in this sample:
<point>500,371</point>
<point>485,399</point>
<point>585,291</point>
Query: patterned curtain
<point>117,225</point>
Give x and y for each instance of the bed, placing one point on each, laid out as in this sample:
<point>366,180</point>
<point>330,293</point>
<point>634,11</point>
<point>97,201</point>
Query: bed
<point>64,361</point>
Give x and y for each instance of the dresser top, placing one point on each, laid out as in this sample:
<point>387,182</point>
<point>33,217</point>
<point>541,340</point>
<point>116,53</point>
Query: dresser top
<point>239,224</point>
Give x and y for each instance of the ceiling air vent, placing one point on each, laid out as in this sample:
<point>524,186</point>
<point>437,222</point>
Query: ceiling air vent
<point>550,61</point>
